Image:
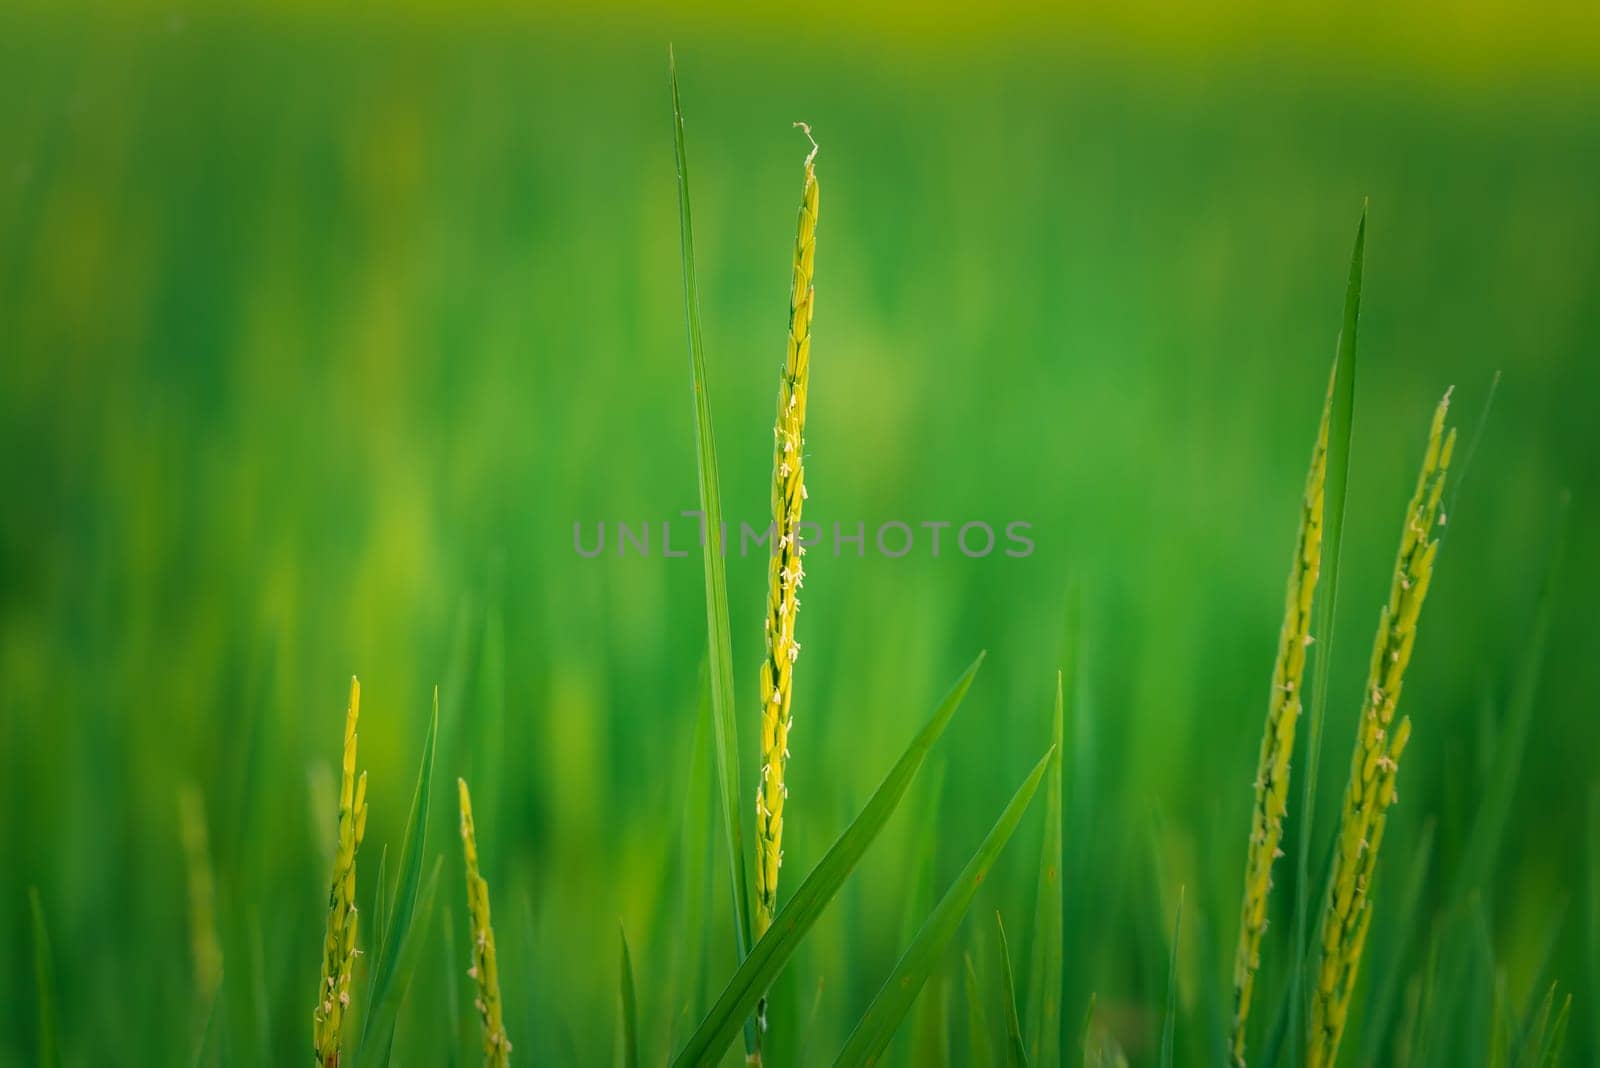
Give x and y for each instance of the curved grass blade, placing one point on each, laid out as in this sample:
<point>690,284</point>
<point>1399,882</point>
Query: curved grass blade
<point>789,927</point>
<point>44,978</point>
<point>1169,1026</point>
<point>1088,1031</point>
<point>1044,969</point>
<point>401,935</point>
<point>630,1007</point>
<point>1016,1051</point>
<point>979,1055</point>
<point>718,630</point>
<point>877,1026</point>
<point>1336,482</point>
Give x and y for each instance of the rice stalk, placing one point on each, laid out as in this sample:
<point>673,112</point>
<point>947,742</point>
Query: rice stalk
<point>1375,761</point>
<point>786,571</point>
<point>1277,738</point>
<point>484,971</point>
<point>339,951</point>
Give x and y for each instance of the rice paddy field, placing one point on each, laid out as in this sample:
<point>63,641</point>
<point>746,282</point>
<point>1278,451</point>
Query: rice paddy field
<point>331,341</point>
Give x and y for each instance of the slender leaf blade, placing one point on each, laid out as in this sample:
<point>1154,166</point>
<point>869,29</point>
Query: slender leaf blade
<point>1335,484</point>
<point>629,1007</point>
<point>877,1026</point>
<point>1016,1050</point>
<point>978,1052</point>
<point>1169,1026</point>
<point>719,633</point>
<point>388,989</point>
<point>1044,970</point>
<point>789,928</point>
<point>44,978</point>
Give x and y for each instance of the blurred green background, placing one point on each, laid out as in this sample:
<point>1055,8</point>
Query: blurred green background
<point>319,331</point>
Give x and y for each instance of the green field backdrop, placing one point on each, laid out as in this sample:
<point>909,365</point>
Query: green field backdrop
<point>319,332</point>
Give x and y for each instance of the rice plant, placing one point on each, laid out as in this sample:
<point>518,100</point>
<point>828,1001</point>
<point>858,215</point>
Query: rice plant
<point>340,949</point>
<point>485,970</point>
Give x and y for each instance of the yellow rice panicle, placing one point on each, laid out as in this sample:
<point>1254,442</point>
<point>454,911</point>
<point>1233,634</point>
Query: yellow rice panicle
<point>786,572</point>
<point>485,972</point>
<point>340,952</point>
<point>1277,737</point>
<point>1375,760</point>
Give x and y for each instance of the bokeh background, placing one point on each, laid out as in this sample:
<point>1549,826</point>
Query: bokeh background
<point>319,330</point>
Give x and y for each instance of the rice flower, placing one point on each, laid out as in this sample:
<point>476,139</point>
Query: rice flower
<point>786,572</point>
<point>484,971</point>
<point>1277,738</point>
<point>340,952</point>
<point>1379,744</point>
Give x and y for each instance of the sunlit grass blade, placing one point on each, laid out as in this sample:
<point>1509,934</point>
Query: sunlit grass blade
<point>979,1054</point>
<point>1556,1044</point>
<point>1169,1025</point>
<point>1483,845</point>
<point>718,631</point>
<point>1044,969</point>
<point>1087,1032</point>
<point>789,928</point>
<point>628,1006</point>
<point>877,1025</point>
<point>388,984</point>
<point>1336,483</point>
<point>1016,1050</point>
<point>44,981</point>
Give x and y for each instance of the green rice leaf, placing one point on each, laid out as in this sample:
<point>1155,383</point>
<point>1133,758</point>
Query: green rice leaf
<point>978,1052</point>
<point>1170,1025</point>
<point>789,927</point>
<point>719,633</point>
<point>44,979</point>
<point>630,1008</point>
<point>1044,969</point>
<point>1016,1051</point>
<point>400,937</point>
<point>877,1026</point>
<point>1335,485</point>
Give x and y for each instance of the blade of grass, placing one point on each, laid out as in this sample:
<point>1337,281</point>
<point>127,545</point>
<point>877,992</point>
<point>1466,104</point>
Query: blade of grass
<point>1016,1051</point>
<point>1044,969</point>
<point>388,988</point>
<point>789,928</point>
<point>877,1025</point>
<point>978,1052</point>
<point>1488,830</point>
<point>44,979</point>
<point>718,630</point>
<point>1169,1026</point>
<point>1335,486</point>
<point>629,1006</point>
<point>1558,1036</point>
